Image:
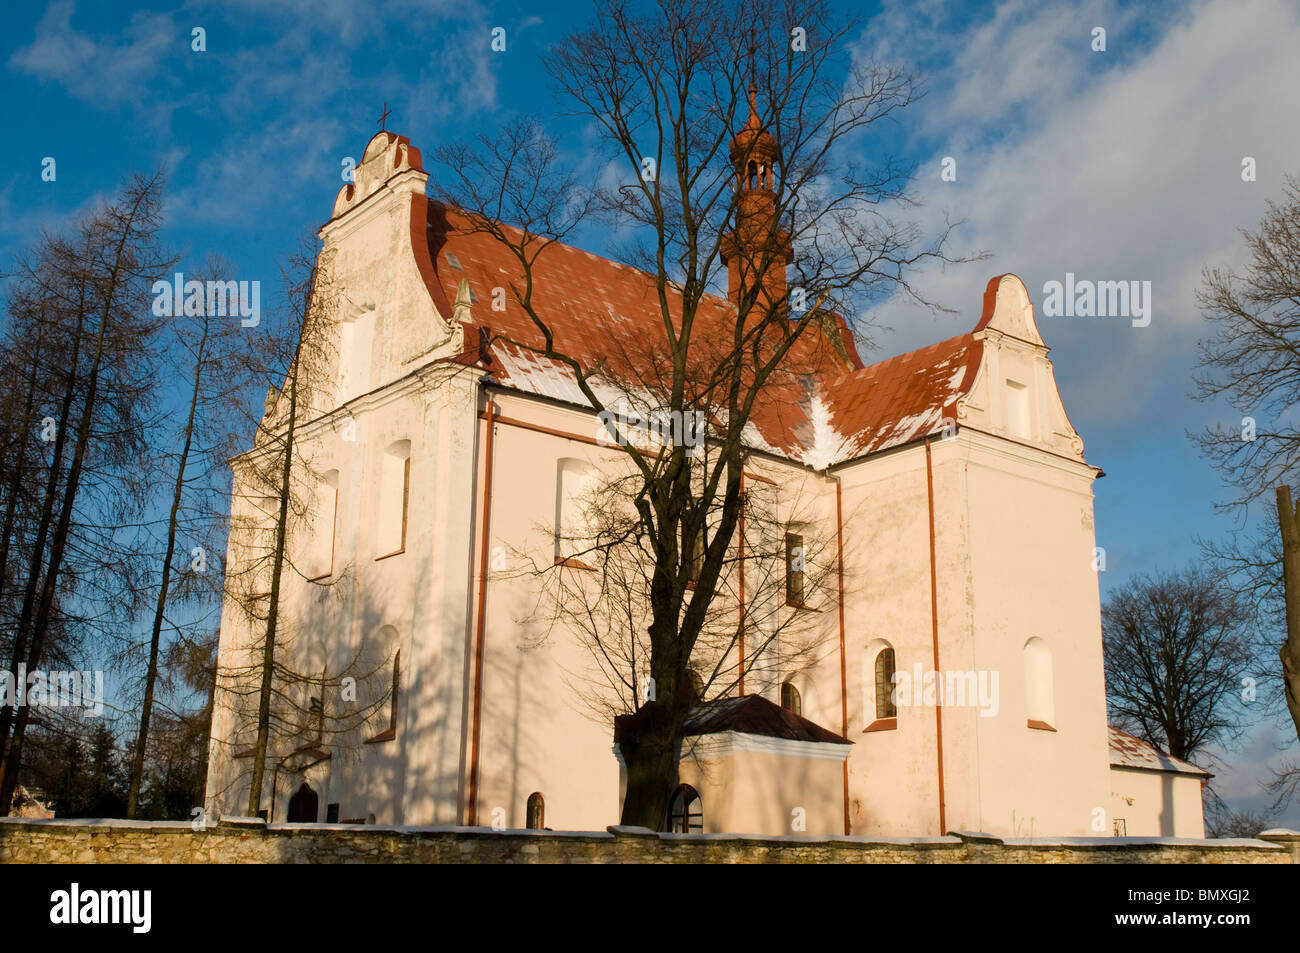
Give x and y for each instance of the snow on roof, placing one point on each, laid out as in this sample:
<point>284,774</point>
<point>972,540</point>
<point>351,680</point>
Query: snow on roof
<point>824,408</point>
<point>904,398</point>
<point>1129,752</point>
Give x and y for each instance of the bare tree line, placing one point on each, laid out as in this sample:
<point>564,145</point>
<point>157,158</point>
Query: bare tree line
<point>119,418</point>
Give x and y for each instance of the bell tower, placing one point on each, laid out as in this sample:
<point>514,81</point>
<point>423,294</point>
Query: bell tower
<point>758,250</point>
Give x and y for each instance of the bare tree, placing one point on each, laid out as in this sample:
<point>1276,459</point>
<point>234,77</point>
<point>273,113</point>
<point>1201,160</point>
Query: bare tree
<point>1176,650</point>
<point>736,146</point>
<point>748,631</point>
<point>209,351</point>
<point>1253,358</point>
<point>1222,821</point>
<point>95,286</point>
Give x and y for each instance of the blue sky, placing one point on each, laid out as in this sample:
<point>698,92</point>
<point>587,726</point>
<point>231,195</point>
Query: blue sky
<point>1122,164</point>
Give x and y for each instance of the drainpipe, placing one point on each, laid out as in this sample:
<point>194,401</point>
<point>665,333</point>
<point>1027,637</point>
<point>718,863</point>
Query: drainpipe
<point>934,620</point>
<point>471,819</point>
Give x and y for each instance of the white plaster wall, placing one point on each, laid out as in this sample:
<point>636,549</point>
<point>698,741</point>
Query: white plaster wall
<point>1029,519</point>
<point>893,787</point>
<point>1156,803</point>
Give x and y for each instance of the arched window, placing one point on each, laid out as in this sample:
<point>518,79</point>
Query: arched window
<point>1040,703</point>
<point>790,698</point>
<point>686,812</point>
<point>695,687</point>
<point>884,671</point>
<point>536,815</point>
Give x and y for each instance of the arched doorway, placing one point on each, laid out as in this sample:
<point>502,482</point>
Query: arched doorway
<point>304,805</point>
<point>686,812</point>
<point>536,813</point>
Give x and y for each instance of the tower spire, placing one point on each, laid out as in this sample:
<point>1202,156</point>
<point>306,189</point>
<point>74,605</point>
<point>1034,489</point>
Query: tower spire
<point>757,243</point>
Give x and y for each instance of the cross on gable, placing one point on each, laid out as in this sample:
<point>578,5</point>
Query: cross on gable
<point>383,118</point>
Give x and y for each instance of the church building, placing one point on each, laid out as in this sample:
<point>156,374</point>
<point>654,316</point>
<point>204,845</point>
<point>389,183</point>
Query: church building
<point>956,680</point>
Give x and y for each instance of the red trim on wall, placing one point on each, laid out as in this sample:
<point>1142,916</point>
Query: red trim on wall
<point>740,690</point>
<point>472,795</point>
<point>934,620</point>
<point>538,428</point>
<point>844,690</point>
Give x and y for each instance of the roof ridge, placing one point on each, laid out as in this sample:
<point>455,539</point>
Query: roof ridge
<point>966,336</point>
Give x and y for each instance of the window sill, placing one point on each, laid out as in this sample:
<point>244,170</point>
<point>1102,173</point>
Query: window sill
<point>571,562</point>
<point>395,552</point>
<point>389,735</point>
<point>802,605</point>
<point>882,724</point>
<point>1039,725</point>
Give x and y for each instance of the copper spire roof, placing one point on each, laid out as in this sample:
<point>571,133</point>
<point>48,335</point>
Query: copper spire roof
<point>753,142</point>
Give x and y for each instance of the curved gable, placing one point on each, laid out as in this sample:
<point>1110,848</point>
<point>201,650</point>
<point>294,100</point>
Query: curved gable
<point>1014,393</point>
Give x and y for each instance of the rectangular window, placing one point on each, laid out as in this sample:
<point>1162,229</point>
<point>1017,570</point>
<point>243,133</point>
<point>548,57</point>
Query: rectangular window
<point>695,561</point>
<point>323,527</point>
<point>318,718</point>
<point>1018,419</point>
<point>794,569</point>
<point>394,498</point>
<point>392,698</point>
<point>885,706</point>
<point>573,485</point>
<point>356,347</point>
<point>382,687</point>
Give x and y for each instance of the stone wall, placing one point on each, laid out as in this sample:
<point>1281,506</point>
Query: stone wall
<point>250,841</point>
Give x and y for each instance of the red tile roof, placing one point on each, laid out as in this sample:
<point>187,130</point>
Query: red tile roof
<point>824,408</point>
<point>1129,752</point>
<point>904,398</point>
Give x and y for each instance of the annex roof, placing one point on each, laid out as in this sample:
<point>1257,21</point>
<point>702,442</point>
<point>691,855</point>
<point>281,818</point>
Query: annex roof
<point>754,715</point>
<point>1129,752</point>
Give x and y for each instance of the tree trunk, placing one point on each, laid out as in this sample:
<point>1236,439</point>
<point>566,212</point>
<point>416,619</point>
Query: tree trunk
<point>651,767</point>
<point>277,564</point>
<point>37,556</point>
<point>18,471</point>
<point>58,545</point>
<point>151,674</point>
<point>1289,519</point>
<point>110,286</point>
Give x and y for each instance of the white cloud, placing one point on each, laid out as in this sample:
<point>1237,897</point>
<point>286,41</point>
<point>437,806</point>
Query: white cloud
<point>99,70</point>
<point>1123,171</point>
